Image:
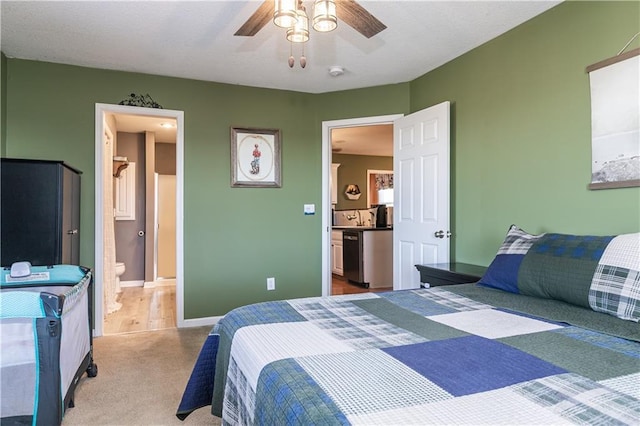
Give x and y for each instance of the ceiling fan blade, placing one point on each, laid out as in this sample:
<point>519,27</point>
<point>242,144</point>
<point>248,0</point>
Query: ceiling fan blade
<point>259,19</point>
<point>357,17</point>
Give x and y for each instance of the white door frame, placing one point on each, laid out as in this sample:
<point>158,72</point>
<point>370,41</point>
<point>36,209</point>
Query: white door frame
<point>326,189</point>
<point>101,110</point>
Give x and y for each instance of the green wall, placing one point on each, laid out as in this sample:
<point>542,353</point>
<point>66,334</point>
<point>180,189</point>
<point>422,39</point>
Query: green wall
<point>520,150</point>
<point>234,237</point>
<point>353,170</point>
<point>521,129</point>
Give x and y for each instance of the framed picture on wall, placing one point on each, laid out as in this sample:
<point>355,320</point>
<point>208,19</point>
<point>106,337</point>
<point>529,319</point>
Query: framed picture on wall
<point>615,121</point>
<point>255,157</point>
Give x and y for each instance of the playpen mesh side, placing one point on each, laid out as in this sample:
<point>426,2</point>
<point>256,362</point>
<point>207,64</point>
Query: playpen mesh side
<point>19,367</point>
<point>75,340</point>
<point>36,373</point>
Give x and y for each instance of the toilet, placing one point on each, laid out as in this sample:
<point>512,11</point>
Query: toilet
<point>120,268</point>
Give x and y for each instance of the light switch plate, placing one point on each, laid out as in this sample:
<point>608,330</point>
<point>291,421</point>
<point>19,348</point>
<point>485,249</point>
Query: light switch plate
<point>309,209</point>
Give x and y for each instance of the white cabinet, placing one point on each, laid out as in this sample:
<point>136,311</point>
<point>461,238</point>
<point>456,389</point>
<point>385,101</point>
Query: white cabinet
<point>336,253</point>
<point>334,182</point>
<point>125,196</point>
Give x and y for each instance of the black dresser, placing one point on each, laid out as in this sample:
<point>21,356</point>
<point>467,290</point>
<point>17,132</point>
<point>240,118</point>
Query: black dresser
<point>40,210</point>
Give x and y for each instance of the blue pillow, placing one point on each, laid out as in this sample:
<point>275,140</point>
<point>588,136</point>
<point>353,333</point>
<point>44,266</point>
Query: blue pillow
<point>503,271</point>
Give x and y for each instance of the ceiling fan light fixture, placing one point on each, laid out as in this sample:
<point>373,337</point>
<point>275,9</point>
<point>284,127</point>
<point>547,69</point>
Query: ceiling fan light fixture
<point>324,16</point>
<point>299,32</point>
<point>285,13</point>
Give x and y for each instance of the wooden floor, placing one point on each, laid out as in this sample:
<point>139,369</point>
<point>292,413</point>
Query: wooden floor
<point>145,309</point>
<point>340,285</point>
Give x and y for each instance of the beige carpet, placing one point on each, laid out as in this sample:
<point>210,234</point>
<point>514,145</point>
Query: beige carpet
<point>141,377</point>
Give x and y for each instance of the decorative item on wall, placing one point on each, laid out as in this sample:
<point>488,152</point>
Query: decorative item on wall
<point>255,157</point>
<point>352,192</point>
<point>615,120</point>
<point>140,101</point>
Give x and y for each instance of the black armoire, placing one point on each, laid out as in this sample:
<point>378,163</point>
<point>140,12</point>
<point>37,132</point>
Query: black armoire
<point>40,212</point>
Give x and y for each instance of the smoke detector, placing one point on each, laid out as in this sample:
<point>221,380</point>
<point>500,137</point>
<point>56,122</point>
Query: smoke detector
<point>336,71</point>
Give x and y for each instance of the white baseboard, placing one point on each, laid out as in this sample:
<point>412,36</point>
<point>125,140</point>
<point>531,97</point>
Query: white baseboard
<point>160,282</point>
<point>135,283</point>
<point>199,322</point>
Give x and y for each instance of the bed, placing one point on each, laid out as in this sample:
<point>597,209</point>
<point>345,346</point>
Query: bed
<point>502,351</point>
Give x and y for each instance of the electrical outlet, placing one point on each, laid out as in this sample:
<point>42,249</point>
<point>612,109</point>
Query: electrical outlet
<point>271,283</point>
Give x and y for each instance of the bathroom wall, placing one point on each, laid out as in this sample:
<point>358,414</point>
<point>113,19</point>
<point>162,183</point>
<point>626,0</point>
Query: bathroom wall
<point>129,245</point>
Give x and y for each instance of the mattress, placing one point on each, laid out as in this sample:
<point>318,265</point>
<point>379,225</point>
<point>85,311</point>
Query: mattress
<point>459,354</point>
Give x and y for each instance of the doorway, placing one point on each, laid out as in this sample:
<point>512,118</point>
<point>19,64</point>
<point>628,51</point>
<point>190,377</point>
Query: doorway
<point>327,154</point>
<point>103,260</point>
<point>421,197</point>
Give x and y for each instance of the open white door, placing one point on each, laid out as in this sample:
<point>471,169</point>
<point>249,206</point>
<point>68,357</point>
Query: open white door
<point>421,199</point>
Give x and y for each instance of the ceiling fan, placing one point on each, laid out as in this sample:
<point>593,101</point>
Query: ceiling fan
<point>348,11</point>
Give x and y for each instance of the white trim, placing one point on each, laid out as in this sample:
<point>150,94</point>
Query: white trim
<point>100,111</point>
<point>199,322</point>
<point>326,190</point>
<point>132,283</point>
<point>149,284</point>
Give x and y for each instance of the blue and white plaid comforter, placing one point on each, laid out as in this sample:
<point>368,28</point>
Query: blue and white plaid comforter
<point>428,356</point>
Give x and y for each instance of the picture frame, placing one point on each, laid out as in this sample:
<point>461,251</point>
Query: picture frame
<point>255,158</point>
<point>615,121</point>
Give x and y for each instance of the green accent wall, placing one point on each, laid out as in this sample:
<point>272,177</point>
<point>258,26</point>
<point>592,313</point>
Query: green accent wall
<point>520,150</point>
<point>521,129</point>
<point>353,170</point>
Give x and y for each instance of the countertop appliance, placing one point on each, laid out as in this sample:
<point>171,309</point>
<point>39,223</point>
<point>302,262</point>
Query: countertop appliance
<point>381,216</point>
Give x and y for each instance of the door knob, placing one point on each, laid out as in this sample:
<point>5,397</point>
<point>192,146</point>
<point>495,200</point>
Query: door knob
<point>442,234</point>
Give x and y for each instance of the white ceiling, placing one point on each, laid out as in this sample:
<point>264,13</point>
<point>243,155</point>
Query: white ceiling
<point>137,124</point>
<point>363,140</point>
<point>194,40</point>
